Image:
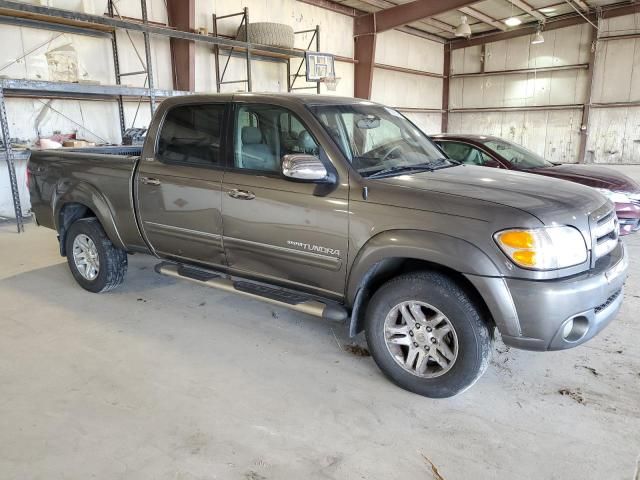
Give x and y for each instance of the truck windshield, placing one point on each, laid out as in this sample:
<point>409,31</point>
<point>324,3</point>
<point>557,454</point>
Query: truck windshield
<point>378,140</point>
<point>519,156</point>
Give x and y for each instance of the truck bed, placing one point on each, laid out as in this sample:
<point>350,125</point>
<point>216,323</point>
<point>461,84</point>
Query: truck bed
<point>101,175</point>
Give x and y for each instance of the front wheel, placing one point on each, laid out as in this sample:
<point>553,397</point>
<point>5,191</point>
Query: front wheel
<point>96,263</point>
<point>427,336</point>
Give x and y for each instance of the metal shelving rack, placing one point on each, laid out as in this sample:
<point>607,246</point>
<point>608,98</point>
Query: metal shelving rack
<point>249,52</point>
<point>56,19</point>
<point>314,38</point>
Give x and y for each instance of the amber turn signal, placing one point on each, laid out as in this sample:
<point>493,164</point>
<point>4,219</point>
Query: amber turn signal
<point>517,239</point>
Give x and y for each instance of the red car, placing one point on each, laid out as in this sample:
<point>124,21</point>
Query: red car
<point>489,151</point>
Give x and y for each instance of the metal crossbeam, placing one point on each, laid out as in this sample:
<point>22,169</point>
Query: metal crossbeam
<point>8,151</point>
<point>61,89</point>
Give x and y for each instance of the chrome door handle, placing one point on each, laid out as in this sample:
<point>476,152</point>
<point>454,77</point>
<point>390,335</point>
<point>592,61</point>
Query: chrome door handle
<point>150,181</point>
<point>241,194</point>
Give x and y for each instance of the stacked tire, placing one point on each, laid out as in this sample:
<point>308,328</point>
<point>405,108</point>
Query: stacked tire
<point>268,33</point>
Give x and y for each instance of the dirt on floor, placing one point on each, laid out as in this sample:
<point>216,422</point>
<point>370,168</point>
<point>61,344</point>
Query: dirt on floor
<point>161,379</point>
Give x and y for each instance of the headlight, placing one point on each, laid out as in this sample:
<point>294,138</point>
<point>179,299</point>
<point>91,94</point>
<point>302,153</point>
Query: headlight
<point>615,197</point>
<point>547,248</point>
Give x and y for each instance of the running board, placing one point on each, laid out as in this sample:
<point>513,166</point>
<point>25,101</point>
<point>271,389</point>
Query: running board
<point>292,300</point>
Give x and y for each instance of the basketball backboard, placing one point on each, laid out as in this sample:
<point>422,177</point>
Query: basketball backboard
<point>319,66</point>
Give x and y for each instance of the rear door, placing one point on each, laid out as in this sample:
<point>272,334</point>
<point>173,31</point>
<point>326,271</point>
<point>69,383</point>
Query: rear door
<point>179,184</point>
<point>284,231</point>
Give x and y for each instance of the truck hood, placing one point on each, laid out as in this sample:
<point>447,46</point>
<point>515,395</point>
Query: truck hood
<point>548,199</point>
<point>591,175</point>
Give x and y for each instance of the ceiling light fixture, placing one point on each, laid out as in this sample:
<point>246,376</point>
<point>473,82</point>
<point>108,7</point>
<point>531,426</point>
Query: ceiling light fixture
<point>548,9</point>
<point>537,38</point>
<point>512,21</point>
<point>463,30</point>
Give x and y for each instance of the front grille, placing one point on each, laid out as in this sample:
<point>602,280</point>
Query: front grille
<point>604,230</point>
<point>609,301</point>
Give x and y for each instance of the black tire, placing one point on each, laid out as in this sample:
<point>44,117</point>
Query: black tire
<point>268,33</point>
<point>113,260</point>
<point>473,332</point>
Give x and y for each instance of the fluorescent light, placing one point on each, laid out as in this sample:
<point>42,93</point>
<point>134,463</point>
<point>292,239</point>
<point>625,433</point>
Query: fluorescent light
<point>537,38</point>
<point>463,30</point>
<point>548,9</point>
<point>512,21</point>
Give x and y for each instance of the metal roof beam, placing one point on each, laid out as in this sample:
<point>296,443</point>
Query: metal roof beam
<point>433,22</point>
<point>583,5</point>
<point>531,28</point>
<point>402,14</point>
<point>525,7</point>
<point>483,18</point>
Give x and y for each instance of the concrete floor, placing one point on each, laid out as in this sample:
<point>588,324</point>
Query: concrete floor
<point>162,379</point>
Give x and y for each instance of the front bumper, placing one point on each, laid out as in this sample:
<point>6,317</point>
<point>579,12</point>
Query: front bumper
<point>532,315</point>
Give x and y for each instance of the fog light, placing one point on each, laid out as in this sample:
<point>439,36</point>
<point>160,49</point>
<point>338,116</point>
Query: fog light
<point>575,329</point>
<point>566,331</point>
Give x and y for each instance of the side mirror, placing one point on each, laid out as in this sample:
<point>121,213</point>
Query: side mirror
<point>304,168</point>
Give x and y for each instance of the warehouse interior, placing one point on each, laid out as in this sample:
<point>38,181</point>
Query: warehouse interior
<point>161,379</point>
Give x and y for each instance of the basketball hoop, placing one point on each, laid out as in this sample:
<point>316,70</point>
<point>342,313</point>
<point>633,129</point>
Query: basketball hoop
<point>331,81</point>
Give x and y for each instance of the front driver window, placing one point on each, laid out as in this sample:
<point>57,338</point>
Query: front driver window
<point>465,153</point>
<point>265,133</point>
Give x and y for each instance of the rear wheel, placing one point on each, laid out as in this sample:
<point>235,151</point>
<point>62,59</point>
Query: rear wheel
<point>427,336</point>
<point>95,263</point>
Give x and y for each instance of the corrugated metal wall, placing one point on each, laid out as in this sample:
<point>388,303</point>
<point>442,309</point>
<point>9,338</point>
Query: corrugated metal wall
<point>543,109</point>
<point>477,100</point>
<point>418,96</point>
<point>614,130</point>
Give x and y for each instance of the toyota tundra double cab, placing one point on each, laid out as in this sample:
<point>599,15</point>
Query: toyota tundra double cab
<point>343,209</point>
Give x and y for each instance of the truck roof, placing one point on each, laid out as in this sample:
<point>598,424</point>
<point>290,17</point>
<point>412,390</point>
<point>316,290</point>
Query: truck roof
<point>280,98</point>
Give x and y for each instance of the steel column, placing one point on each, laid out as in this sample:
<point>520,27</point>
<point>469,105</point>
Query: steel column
<point>216,52</point>
<point>181,15</point>
<point>364,53</point>
<point>147,52</point>
<point>446,70</point>
<point>8,152</point>
<point>116,68</point>
<point>584,125</point>
<point>317,35</point>
<point>246,39</point>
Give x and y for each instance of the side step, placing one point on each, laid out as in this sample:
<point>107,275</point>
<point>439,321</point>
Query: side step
<point>282,297</point>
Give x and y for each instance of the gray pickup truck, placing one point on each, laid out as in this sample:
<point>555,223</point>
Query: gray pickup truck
<point>343,209</point>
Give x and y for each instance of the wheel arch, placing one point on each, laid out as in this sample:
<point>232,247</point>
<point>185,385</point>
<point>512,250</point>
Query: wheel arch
<point>84,201</point>
<point>395,252</point>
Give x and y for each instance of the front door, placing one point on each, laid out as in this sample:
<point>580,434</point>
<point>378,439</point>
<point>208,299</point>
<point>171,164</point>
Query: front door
<point>280,230</point>
<point>179,186</point>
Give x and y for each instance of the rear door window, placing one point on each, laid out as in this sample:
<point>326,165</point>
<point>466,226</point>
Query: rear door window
<point>192,135</point>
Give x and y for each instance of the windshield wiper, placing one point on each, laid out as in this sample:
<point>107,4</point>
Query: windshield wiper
<point>450,160</point>
<point>421,167</point>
